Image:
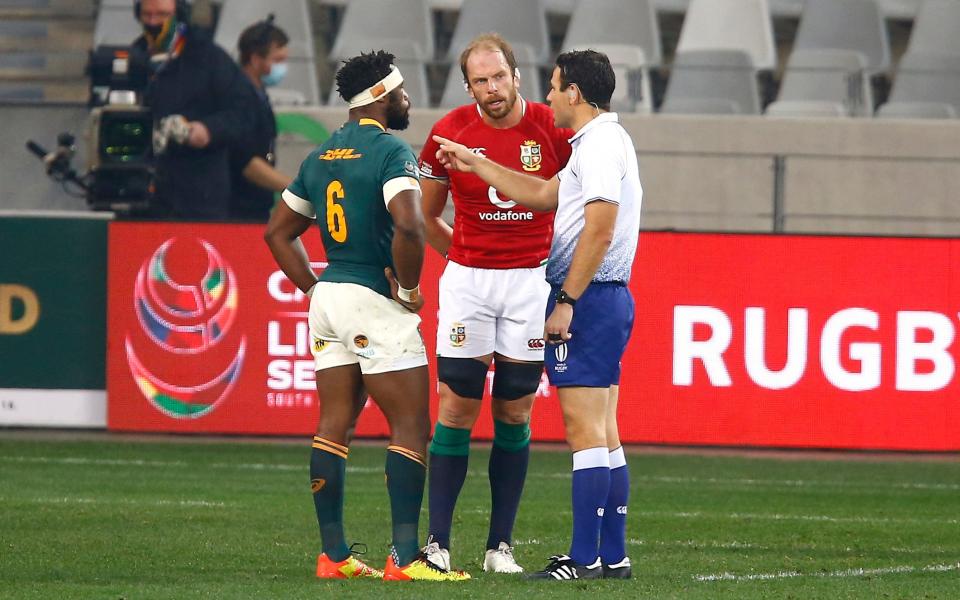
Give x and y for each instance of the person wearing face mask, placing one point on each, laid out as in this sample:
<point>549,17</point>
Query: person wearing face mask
<point>263,52</point>
<point>201,104</point>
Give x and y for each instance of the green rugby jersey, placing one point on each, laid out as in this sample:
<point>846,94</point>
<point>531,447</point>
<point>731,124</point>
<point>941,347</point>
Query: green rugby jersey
<point>343,179</point>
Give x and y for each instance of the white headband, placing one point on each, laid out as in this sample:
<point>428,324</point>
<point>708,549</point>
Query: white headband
<point>379,89</point>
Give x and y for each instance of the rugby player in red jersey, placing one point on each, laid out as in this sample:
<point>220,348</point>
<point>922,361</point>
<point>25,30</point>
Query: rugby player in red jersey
<point>492,293</point>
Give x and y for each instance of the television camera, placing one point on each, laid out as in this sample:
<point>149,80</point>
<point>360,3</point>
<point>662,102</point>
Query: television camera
<point>120,165</point>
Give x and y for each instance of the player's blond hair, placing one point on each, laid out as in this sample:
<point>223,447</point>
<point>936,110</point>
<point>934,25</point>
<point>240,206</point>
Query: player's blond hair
<point>488,41</point>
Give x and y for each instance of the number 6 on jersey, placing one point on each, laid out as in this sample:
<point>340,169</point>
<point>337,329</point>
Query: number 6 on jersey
<point>336,217</point>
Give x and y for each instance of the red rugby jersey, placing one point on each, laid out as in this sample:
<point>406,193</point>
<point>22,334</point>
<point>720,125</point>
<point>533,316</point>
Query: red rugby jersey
<point>490,231</point>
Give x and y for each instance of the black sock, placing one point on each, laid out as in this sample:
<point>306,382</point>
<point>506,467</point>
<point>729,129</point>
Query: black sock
<point>328,462</point>
<point>507,469</point>
<point>449,457</point>
<point>406,475</point>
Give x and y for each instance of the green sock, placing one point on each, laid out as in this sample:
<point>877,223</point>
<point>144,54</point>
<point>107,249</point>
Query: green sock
<point>450,441</point>
<point>328,465</point>
<point>406,474</point>
<point>511,437</point>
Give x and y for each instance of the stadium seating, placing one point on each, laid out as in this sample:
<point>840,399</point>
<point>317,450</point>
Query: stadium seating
<point>824,83</point>
<point>519,22</point>
<point>743,25</point>
<point>927,86</point>
<point>712,82</point>
<point>21,92</point>
<point>115,23</point>
<point>628,33</point>
<point>616,22</point>
<point>935,30</point>
<point>300,86</point>
<point>854,25</point>
<point>634,90</point>
<point>370,24</point>
<point>290,15</point>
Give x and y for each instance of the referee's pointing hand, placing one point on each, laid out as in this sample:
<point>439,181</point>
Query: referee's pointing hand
<point>454,156</point>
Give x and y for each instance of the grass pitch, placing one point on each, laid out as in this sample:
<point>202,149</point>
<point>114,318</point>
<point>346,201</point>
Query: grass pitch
<point>128,519</point>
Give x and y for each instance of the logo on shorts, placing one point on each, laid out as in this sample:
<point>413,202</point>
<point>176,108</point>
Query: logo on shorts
<point>361,341</point>
<point>458,335</point>
<point>319,345</point>
<point>535,344</point>
<point>561,353</point>
<point>530,156</point>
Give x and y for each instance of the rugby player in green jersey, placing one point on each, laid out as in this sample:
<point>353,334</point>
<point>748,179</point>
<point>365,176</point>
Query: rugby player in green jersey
<point>362,189</point>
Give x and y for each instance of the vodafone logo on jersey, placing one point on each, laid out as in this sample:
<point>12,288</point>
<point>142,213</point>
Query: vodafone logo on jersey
<point>495,199</point>
<point>504,205</point>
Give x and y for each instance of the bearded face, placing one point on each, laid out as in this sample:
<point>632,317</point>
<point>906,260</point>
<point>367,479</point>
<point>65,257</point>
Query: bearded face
<point>492,83</point>
<point>398,109</point>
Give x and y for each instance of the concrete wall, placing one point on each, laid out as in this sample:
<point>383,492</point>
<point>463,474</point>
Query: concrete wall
<point>858,176</point>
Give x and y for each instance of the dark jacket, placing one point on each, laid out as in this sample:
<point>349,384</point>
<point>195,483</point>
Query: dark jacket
<point>202,84</point>
<point>251,202</point>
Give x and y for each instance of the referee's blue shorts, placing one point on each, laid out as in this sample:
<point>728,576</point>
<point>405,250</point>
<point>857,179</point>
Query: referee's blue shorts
<point>602,320</point>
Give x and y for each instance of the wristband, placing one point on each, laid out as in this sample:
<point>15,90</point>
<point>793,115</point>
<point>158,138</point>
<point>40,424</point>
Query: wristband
<point>411,295</point>
<point>565,298</point>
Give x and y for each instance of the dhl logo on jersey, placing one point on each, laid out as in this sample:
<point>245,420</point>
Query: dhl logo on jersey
<point>339,154</point>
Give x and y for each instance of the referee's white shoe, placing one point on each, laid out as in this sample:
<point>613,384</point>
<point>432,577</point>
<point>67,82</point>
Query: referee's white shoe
<point>501,560</point>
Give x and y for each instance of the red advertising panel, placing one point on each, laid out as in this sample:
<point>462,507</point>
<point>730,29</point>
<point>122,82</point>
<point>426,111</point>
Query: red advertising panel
<point>206,335</point>
<point>794,341</point>
<point>756,340</point>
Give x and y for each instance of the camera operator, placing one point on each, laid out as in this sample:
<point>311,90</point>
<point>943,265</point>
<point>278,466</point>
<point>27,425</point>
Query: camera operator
<point>263,58</point>
<point>201,104</point>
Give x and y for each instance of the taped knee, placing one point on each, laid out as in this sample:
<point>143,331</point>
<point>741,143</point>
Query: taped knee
<point>512,381</point>
<point>466,377</point>
<point>511,438</point>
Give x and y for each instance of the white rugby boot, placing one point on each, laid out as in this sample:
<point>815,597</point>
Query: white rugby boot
<point>437,555</point>
<point>501,560</point>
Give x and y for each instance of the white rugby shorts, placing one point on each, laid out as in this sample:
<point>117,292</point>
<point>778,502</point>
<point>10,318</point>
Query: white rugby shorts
<point>492,310</point>
<point>352,324</point>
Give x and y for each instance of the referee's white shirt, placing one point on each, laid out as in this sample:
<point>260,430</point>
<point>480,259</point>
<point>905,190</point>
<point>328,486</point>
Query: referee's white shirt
<point>603,167</point>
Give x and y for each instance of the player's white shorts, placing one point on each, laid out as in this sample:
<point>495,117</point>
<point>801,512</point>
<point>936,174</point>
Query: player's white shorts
<point>492,310</point>
<point>352,324</point>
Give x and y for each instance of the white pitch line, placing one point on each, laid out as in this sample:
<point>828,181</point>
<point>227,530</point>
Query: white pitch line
<point>107,462</point>
<point>860,572</point>
<point>794,483</point>
<point>783,517</point>
<point>482,473</point>
<point>123,501</point>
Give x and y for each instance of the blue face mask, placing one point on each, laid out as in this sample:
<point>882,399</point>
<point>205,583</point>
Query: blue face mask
<point>277,72</point>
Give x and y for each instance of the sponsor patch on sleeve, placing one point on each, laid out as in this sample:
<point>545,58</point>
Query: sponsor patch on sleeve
<point>411,168</point>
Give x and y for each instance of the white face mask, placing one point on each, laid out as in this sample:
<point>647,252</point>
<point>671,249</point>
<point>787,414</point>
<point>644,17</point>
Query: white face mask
<point>277,72</point>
